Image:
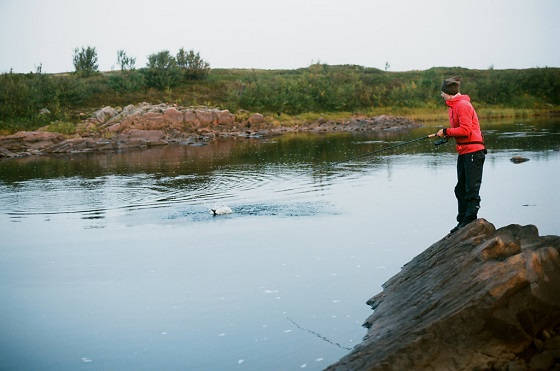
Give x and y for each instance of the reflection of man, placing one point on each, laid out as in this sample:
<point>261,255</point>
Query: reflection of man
<point>464,127</point>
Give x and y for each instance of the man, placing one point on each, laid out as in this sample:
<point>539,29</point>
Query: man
<point>464,127</point>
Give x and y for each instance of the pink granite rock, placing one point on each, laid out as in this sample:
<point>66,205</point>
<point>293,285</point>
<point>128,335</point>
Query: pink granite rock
<point>205,117</point>
<point>173,117</point>
<point>150,137</point>
<point>256,118</point>
<point>224,117</point>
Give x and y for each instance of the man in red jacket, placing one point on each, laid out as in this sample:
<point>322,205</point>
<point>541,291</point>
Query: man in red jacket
<point>464,127</point>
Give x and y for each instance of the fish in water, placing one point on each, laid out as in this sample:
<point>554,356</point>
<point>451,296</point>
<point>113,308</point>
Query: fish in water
<point>221,210</point>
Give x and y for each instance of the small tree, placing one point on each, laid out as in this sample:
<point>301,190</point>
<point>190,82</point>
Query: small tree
<point>126,62</point>
<point>85,61</point>
<point>192,65</point>
<point>129,79</point>
<point>161,71</point>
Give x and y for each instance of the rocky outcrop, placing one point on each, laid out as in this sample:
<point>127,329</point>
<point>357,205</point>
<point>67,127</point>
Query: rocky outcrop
<point>29,142</point>
<point>362,124</point>
<point>105,114</point>
<point>144,124</point>
<point>478,299</point>
<point>256,118</point>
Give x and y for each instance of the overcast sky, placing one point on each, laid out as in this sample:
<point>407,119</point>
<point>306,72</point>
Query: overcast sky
<point>284,34</point>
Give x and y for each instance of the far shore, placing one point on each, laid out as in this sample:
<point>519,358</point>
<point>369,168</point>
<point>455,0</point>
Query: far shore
<point>429,116</point>
<point>146,125</point>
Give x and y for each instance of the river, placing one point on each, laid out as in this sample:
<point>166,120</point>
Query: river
<point>113,261</point>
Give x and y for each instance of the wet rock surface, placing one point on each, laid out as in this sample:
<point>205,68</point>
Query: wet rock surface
<point>478,299</point>
<point>28,142</point>
<point>144,125</point>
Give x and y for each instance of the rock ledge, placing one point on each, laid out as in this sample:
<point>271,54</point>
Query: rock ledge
<point>479,299</point>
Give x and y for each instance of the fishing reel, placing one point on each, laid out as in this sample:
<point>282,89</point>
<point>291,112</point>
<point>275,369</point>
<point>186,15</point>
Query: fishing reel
<point>441,141</point>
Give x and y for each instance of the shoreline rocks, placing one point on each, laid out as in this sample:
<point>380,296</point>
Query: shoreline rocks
<point>478,299</point>
<point>144,125</point>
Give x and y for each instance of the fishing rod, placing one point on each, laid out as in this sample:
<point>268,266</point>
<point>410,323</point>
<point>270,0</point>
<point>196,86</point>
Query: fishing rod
<point>437,143</point>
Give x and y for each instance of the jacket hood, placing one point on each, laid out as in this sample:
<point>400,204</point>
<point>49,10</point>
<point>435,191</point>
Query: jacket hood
<point>453,101</point>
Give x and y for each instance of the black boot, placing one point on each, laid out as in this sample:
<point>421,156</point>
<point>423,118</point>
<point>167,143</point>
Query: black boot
<point>461,225</point>
<point>457,227</point>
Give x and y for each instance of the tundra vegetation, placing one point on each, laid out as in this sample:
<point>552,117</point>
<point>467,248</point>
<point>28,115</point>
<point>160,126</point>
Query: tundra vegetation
<point>299,94</point>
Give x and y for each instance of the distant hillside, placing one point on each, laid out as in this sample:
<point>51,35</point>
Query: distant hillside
<point>317,88</point>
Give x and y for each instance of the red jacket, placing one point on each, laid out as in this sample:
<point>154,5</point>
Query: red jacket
<point>464,126</point>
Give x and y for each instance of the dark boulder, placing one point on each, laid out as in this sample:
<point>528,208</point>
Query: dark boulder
<point>518,159</point>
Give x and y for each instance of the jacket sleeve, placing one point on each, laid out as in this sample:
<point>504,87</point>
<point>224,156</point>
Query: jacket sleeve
<point>465,114</point>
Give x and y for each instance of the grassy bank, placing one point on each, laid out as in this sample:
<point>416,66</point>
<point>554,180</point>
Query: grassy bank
<point>427,115</point>
<point>286,96</point>
<point>489,112</point>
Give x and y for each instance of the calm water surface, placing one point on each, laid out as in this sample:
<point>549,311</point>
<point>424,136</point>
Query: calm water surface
<point>112,261</point>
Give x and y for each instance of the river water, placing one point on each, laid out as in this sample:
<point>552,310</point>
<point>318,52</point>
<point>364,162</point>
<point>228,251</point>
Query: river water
<point>113,261</point>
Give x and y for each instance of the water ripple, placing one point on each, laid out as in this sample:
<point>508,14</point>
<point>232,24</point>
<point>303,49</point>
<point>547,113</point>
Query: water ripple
<point>284,186</point>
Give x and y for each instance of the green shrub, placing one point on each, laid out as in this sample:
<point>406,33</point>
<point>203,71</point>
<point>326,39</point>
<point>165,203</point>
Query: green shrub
<point>62,127</point>
<point>192,65</point>
<point>85,61</point>
<point>162,71</point>
<point>127,81</point>
<point>127,63</point>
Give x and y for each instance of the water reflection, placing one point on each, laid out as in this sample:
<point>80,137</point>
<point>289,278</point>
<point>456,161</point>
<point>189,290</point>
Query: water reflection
<point>313,150</point>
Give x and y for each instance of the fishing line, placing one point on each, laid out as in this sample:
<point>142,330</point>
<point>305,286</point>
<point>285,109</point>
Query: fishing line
<point>438,142</point>
<point>314,333</point>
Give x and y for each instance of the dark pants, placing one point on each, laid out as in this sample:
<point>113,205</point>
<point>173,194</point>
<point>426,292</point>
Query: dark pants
<point>469,178</point>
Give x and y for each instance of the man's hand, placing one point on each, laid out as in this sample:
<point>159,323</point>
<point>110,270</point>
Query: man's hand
<point>440,133</point>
